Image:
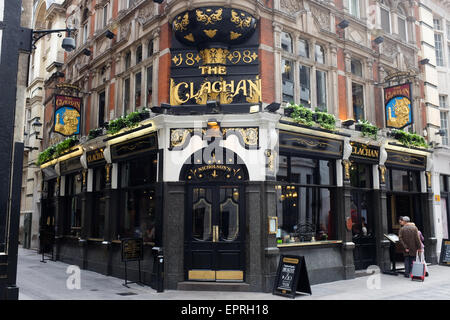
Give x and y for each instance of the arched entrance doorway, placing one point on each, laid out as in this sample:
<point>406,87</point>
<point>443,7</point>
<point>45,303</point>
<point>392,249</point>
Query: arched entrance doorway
<point>215,216</point>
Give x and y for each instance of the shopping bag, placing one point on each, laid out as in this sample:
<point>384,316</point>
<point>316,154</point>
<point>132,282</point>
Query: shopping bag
<point>422,258</point>
<point>418,269</point>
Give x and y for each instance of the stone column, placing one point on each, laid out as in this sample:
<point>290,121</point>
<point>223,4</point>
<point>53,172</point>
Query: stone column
<point>107,233</point>
<point>344,222</point>
<point>85,220</point>
<point>428,221</point>
<point>59,220</point>
<point>381,223</point>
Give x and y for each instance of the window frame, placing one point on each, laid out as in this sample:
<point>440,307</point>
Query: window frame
<point>388,11</point>
<point>313,187</point>
<point>356,14</point>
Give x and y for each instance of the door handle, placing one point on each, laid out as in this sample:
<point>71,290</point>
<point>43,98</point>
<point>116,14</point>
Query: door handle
<point>215,233</point>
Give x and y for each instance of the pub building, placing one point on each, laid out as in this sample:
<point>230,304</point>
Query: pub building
<point>223,186</point>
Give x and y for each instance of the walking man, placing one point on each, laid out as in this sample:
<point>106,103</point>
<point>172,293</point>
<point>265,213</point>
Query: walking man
<point>409,238</point>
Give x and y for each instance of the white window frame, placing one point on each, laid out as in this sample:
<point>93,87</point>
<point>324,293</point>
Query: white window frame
<point>383,7</point>
<point>85,31</point>
<point>356,14</point>
<point>402,17</point>
<point>439,57</point>
<point>105,15</point>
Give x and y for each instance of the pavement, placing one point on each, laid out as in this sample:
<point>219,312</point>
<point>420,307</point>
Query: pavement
<point>55,280</point>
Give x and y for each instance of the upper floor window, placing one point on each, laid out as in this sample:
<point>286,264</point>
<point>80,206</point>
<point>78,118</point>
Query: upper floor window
<point>448,30</point>
<point>319,54</point>
<point>401,28</point>
<point>353,8</point>
<point>127,60</point>
<point>85,32</point>
<point>288,80</point>
<point>150,48</point>
<point>439,49</point>
<point>385,20</point>
<point>303,48</point>
<point>321,90</point>
<point>139,54</point>
<point>356,67</point>
<point>105,15</point>
<point>437,24</point>
<point>286,42</point>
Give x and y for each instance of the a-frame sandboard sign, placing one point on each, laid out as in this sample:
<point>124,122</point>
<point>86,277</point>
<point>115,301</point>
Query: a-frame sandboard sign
<point>292,277</point>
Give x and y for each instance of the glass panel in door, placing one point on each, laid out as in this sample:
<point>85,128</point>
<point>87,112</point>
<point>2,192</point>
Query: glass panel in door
<point>229,214</point>
<point>202,214</point>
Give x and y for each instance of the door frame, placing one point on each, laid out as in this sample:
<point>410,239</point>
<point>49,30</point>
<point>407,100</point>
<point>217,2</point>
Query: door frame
<point>216,272</point>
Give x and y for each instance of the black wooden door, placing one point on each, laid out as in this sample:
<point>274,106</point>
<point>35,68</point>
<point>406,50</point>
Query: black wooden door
<point>214,237</point>
<point>364,253</point>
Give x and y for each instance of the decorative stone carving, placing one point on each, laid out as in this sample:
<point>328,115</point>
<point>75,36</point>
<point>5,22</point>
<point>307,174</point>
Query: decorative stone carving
<point>408,58</point>
<point>146,13</point>
<point>322,17</point>
<point>125,31</point>
<point>389,49</point>
<point>291,6</point>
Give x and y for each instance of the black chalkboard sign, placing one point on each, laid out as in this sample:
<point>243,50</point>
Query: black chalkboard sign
<point>292,277</point>
<point>132,249</point>
<point>445,253</point>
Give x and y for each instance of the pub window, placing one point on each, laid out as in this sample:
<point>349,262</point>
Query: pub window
<point>319,54</point>
<point>149,85</point>
<point>402,180</point>
<point>358,101</point>
<point>305,86</point>
<point>361,175</point>
<point>321,90</point>
<point>139,54</point>
<point>444,183</point>
<point>138,90</point>
<point>72,225</point>
<point>305,199</point>
<point>126,96</point>
<point>288,80</point>
<point>101,108</point>
<point>138,200</point>
<point>303,48</point>
<point>286,42</point>
<point>98,213</point>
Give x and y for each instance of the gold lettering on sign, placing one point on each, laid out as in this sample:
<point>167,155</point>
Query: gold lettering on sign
<point>364,151</point>
<point>227,90</point>
<point>220,70</point>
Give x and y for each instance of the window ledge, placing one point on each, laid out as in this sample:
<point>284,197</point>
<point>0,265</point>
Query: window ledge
<point>307,244</point>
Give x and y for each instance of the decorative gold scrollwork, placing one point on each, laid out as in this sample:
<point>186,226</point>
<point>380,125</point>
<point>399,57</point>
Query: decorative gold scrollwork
<point>347,165</point>
<point>240,21</point>
<point>209,19</point>
<point>181,23</point>
<point>210,32</point>
<point>383,174</point>
<point>178,137</point>
<point>234,35</point>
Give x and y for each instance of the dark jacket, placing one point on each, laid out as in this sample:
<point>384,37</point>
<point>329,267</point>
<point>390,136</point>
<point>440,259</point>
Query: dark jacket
<point>409,238</point>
